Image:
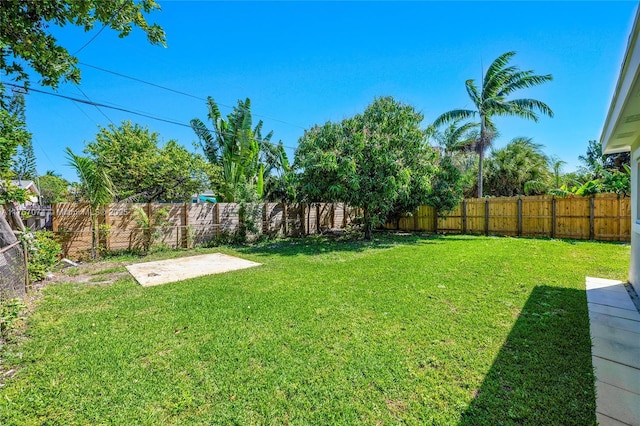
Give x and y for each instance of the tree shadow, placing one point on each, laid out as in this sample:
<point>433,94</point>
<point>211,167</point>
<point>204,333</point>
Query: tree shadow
<point>318,244</point>
<point>543,372</point>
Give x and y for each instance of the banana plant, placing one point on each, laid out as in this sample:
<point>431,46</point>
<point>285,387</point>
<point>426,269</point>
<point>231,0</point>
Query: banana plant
<point>240,150</point>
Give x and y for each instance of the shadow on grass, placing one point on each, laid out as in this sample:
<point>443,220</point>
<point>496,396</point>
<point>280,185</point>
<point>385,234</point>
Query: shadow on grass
<point>319,244</point>
<point>542,374</point>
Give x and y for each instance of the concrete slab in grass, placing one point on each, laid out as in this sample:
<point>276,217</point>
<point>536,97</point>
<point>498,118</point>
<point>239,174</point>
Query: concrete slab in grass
<point>183,268</point>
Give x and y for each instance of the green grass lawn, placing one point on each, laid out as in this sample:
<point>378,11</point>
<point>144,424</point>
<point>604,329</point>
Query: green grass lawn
<point>405,329</point>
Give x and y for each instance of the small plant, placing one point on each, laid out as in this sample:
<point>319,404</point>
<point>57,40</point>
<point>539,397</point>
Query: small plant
<point>104,230</point>
<point>151,228</point>
<point>10,310</point>
<point>43,252</point>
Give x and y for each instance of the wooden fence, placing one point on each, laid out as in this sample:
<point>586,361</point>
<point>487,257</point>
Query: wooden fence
<point>606,217</point>
<point>187,225</point>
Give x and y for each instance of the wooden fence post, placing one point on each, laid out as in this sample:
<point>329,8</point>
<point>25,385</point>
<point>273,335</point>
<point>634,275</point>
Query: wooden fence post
<point>333,215</point>
<point>416,221</point>
<point>519,217</point>
<point>464,216</point>
<point>185,225</point>
<point>303,218</point>
<point>592,218</point>
<point>435,221</point>
<point>486,217</point>
<point>344,215</point>
<point>107,234</point>
<point>553,217</point>
<point>284,218</point>
<point>318,218</point>
<point>216,219</point>
<point>55,220</point>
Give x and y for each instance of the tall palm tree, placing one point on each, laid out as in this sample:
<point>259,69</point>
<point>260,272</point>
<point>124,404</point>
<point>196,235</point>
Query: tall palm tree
<point>556,165</point>
<point>456,136</point>
<point>96,188</point>
<point>499,81</point>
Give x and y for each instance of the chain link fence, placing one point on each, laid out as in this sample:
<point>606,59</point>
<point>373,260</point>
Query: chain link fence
<point>13,271</point>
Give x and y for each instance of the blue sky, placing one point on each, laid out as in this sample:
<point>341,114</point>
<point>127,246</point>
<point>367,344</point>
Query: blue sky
<point>304,63</point>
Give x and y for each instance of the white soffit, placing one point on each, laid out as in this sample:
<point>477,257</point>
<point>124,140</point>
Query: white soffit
<point>622,126</point>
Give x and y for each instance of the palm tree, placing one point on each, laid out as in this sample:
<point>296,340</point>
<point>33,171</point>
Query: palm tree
<point>499,81</point>
<point>520,168</point>
<point>556,165</point>
<point>96,188</point>
<point>457,136</point>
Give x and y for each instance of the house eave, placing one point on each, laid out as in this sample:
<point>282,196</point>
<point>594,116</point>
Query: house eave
<point>622,126</point>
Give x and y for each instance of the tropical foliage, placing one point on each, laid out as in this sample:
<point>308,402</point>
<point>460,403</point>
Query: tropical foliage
<point>239,149</point>
<point>142,170</point>
<point>492,99</point>
<point>53,188</point>
<point>27,27</point>
<point>96,189</point>
<point>520,168</point>
<point>377,161</point>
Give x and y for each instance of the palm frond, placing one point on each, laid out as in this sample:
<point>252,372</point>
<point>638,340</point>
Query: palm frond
<point>493,83</point>
<point>533,105</point>
<point>456,114</point>
<point>94,180</point>
<point>523,80</point>
<point>472,90</point>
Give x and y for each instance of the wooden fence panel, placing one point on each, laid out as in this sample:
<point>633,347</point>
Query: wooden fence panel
<point>503,216</point>
<point>452,222</point>
<point>476,215</point>
<point>572,218</point>
<point>536,216</point>
<point>610,223</point>
<point>202,222</point>
<point>228,218</point>
<point>625,219</point>
<point>72,223</point>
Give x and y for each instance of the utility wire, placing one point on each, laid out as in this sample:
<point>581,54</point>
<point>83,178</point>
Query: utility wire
<point>97,107</point>
<point>142,114</point>
<point>100,31</point>
<point>179,92</point>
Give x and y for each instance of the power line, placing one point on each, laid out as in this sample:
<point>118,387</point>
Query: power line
<point>97,107</point>
<point>100,31</point>
<point>180,92</point>
<point>142,114</point>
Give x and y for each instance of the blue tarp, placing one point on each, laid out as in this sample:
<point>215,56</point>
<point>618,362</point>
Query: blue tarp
<point>205,199</point>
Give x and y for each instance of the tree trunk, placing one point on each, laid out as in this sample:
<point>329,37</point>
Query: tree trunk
<point>367,225</point>
<point>483,146</point>
<point>480,161</point>
<point>7,236</point>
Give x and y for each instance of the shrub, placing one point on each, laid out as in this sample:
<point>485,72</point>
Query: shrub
<point>9,312</point>
<point>43,252</point>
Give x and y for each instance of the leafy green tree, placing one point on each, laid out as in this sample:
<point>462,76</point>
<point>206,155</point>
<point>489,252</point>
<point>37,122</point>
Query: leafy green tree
<point>245,156</point>
<point>143,171</point>
<point>96,189</point>
<point>595,162</point>
<point>520,168</point>
<point>53,188</point>
<point>447,189</point>
<point>24,165</point>
<point>377,161</point>
<point>13,134</point>
<point>490,100</point>
<point>26,29</point>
